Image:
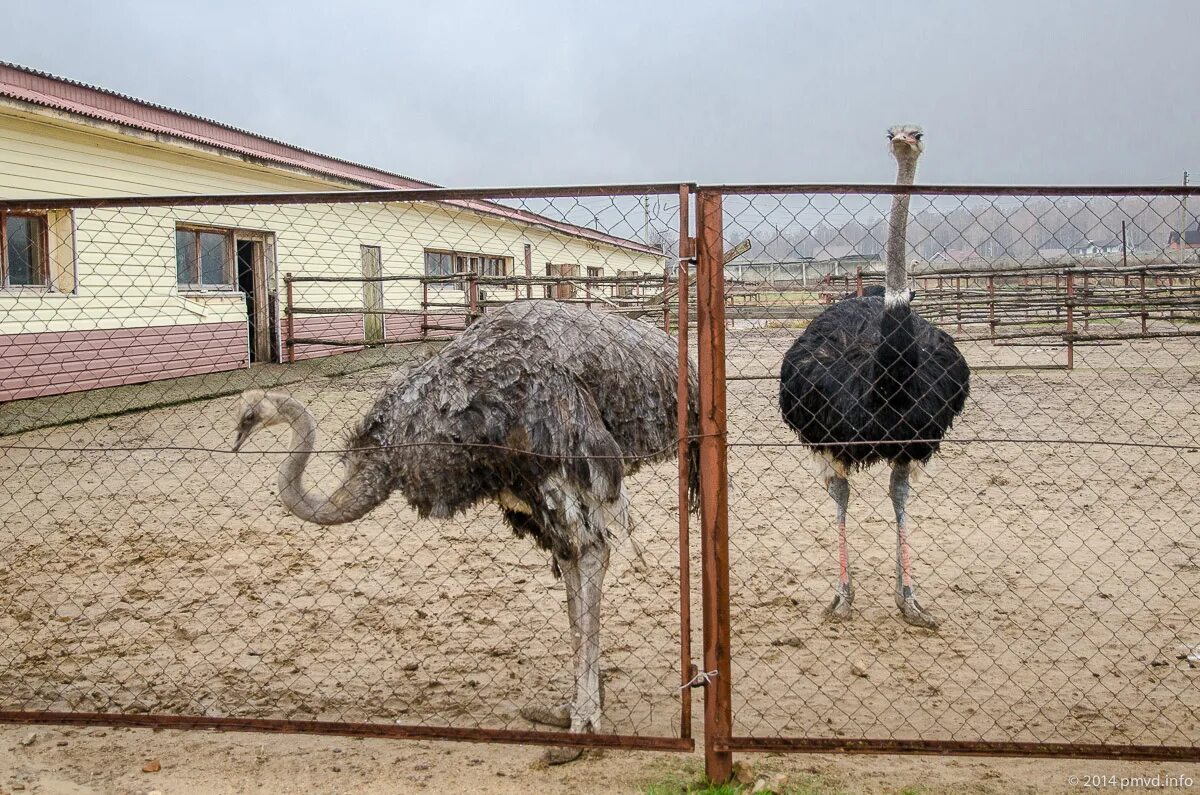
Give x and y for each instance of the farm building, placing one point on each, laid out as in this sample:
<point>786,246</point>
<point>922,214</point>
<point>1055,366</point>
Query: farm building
<point>1090,248</point>
<point>93,297</point>
<point>1191,239</point>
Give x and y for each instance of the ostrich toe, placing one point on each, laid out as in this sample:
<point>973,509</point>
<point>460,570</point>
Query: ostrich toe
<point>560,756</point>
<point>841,608</point>
<point>914,614</point>
<point>558,716</point>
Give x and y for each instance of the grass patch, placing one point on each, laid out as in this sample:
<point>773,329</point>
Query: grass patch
<point>690,780</point>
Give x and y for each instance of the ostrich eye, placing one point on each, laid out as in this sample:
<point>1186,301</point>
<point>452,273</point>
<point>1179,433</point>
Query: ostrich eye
<point>891,136</point>
<point>918,136</point>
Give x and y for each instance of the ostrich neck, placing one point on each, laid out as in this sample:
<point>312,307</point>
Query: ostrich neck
<point>349,501</point>
<point>896,278</point>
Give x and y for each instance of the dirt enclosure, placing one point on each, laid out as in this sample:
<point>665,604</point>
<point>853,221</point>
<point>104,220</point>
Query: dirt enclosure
<point>148,570</point>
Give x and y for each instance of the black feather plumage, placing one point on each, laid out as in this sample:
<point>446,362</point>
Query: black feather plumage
<point>862,382</point>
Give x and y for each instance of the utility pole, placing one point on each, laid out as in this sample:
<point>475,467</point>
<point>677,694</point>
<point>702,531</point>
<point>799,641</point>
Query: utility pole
<point>646,217</point>
<point>1183,219</point>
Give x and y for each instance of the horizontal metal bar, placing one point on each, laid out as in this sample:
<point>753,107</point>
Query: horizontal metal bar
<point>957,190</point>
<point>825,745</point>
<point>588,191</point>
<point>337,728</point>
<point>349,196</point>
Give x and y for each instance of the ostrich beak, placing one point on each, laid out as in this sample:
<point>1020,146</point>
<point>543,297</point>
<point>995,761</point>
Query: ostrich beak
<point>243,435</point>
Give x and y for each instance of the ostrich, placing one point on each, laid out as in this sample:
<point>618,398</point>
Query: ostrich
<point>541,406</point>
<point>871,381</point>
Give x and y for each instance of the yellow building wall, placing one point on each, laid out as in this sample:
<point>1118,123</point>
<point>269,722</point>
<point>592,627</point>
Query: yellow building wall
<point>125,258</point>
<point>44,156</point>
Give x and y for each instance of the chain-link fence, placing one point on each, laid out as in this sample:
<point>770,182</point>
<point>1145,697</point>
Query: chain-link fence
<point>149,571</point>
<point>153,576</point>
<point>1051,539</point>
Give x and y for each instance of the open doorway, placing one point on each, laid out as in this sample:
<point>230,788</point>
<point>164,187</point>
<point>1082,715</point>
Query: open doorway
<point>260,312</point>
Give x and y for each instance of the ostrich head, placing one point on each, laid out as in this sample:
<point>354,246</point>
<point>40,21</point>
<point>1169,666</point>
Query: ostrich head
<point>259,410</point>
<point>905,142</point>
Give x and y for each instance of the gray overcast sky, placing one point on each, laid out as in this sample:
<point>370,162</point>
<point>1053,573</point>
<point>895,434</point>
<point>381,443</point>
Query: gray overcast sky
<point>524,93</point>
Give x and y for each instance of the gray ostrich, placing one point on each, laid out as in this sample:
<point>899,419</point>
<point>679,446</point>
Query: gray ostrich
<point>540,406</point>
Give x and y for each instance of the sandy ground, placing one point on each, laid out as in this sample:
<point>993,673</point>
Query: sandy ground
<point>79,761</point>
<point>149,570</point>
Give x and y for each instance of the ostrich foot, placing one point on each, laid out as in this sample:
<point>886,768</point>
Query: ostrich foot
<point>560,756</point>
<point>558,716</point>
<point>842,606</point>
<point>914,614</point>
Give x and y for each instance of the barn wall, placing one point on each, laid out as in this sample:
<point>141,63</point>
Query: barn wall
<point>124,259</point>
<point>51,363</point>
<point>43,156</point>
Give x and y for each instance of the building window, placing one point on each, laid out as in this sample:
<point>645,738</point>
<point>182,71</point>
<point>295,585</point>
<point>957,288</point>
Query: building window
<point>450,263</point>
<point>24,260</point>
<point>595,273</point>
<point>204,259</point>
<point>493,266</point>
<point>439,263</point>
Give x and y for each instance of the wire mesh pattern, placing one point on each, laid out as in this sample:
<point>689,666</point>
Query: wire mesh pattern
<point>151,570</point>
<point>1052,534</point>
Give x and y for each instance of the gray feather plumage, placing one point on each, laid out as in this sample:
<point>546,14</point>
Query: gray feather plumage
<point>534,394</point>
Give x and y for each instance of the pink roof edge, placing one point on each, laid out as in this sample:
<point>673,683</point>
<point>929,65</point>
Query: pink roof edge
<point>50,91</point>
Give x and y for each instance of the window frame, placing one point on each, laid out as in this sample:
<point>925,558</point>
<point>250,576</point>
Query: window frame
<point>230,286</point>
<point>43,263</point>
<point>463,258</point>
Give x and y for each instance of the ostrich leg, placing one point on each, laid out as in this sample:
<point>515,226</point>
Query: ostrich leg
<point>906,589</point>
<point>559,715</point>
<point>584,579</point>
<point>843,599</point>
<point>585,711</point>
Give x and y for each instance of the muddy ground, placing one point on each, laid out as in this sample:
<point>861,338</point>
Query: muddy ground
<point>147,569</point>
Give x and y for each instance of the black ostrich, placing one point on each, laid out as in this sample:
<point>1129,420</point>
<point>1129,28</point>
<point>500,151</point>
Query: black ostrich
<point>868,381</point>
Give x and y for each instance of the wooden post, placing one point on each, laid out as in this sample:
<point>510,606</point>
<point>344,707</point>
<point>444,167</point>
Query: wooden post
<point>1142,280</point>
<point>1070,320</point>
<point>958,296</point>
<point>424,309</point>
<point>472,298</point>
<point>992,305</point>
<point>1087,314</point>
<point>528,271</point>
<point>666,303</point>
<point>858,287</point>
<point>291,326</point>
<point>714,483</point>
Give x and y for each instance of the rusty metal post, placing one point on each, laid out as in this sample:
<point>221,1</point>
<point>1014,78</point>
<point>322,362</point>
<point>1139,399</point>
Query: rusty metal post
<point>290,344</point>
<point>1070,320</point>
<point>714,483</point>
<point>687,670</point>
<point>1124,253</point>
<point>992,305</point>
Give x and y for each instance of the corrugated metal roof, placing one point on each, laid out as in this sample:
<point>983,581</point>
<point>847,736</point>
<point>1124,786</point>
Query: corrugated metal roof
<point>69,96</point>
